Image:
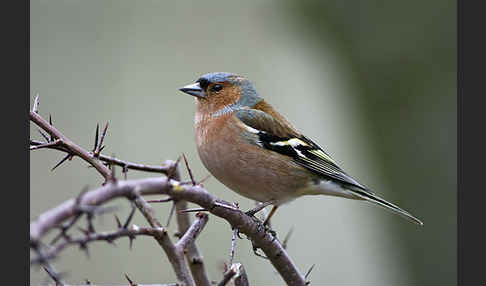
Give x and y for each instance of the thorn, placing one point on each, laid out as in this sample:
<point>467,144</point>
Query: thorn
<point>193,210</point>
<point>125,171</point>
<point>103,136</point>
<point>84,247</point>
<point>44,135</point>
<point>189,169</point>
<point>173,170</point>
<point>171,213</point>
<point>287,237</point>
<point>112,242</point>
<point>160,201</point>
<point>54,276</point>
<point>96,137</point>
<point>131,238</point>
<point>118,223</point>
<point>130,216</point>
<point>309,271</point>
<point>204,179</point>
<point>50,122</point>
<point>130,280</point>
<point>35,108</point>
<point>113,173</point>
<point>84,231</point>
<point>68,156</point>
<point>89,217</point>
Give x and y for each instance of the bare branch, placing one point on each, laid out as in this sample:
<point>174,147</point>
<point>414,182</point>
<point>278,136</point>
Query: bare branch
<point>192,233</point>
<point>195,194</point>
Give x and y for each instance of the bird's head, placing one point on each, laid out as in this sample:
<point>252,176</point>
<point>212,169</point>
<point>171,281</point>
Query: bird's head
<point>222,92</point>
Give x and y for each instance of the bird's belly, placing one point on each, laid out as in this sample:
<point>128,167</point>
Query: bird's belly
<point>252,171</point>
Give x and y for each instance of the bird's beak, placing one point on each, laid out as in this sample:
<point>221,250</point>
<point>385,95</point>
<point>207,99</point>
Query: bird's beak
<point>194,90</point>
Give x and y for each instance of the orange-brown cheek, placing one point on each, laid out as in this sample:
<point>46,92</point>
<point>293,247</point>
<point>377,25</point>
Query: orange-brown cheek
<point>228,96</point>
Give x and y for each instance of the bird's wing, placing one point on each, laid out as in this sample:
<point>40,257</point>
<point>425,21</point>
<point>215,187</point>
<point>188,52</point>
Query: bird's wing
<point>277,137</point>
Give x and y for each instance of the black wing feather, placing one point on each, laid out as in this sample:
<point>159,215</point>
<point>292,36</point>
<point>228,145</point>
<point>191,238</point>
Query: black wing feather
<point>275,137</point>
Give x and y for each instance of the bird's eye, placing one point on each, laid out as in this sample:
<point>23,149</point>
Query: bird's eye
<point>216,87</point>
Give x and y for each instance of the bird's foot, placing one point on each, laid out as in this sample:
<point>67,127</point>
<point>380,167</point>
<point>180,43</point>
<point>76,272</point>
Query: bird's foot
<point>258,208</point>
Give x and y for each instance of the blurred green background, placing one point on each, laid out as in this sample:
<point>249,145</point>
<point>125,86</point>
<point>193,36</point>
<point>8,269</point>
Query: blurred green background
<point>373,82</point>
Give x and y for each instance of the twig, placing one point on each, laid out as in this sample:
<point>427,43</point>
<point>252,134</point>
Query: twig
<point>193,232</point>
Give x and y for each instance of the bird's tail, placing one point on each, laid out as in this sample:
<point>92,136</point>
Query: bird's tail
<point>370,197</point>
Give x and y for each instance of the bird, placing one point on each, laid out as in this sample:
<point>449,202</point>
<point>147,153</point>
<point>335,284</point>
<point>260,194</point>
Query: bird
<point>255,151</point>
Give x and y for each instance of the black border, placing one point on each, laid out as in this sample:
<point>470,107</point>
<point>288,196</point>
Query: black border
<point>15,22</point>
<point>471,188</point>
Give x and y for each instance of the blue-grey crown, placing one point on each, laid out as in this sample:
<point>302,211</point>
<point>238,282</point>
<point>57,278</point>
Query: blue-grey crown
<point>217,77</point>
<point>249,95</point>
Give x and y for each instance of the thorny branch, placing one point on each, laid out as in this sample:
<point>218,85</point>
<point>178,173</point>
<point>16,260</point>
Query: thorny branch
<point>134,190</point>
<point>108,160</point>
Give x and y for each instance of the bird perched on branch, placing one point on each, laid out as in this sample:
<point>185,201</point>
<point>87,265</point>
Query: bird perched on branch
<point>253,150</point>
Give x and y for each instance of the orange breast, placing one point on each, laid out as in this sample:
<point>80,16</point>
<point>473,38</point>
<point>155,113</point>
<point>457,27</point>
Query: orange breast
<point>247,169</point>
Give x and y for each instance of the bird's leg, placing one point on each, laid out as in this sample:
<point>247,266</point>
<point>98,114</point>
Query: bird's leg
<point>258,208</point>
<point>267,219</point>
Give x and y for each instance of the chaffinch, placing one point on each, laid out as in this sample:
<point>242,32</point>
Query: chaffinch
<point>253,150</point>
